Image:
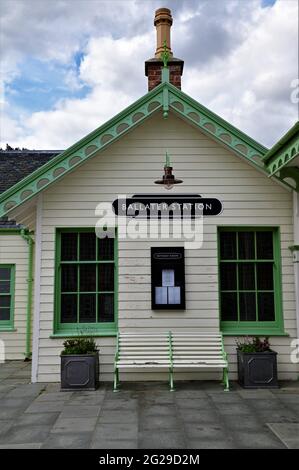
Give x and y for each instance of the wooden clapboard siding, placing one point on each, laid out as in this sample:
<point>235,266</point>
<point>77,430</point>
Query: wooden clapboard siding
<point>130,166</point>
<point>14,250</point>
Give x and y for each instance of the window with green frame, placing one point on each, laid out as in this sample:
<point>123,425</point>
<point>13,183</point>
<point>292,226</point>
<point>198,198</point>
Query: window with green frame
<point>250,280</point>
<point>86,282</point>
<point>7,287</point>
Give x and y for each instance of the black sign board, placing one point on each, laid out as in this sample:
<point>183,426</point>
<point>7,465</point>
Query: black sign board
<point>157,206</point>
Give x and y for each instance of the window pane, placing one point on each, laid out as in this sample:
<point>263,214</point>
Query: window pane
<point>68,308</point>
<point>69,278</point>
<point>246,245</point>
<point>229,310</point>
<point>88,308</point>
<point>246,276</point>
<point>228,276</point>
<point>228,245</point>
<point>264,276</point>
<point>266,306</point>
<point>106,308</point>
<point>5,274</point>
<point>106,248</point>
<point>247,306</point>
<point>264,245</point>
<point>69,246</point>
<point>4,287</point>
<point>4,314</point>
<point>88,278</point>
<point>4,300</point>
<point>106,277</point>
<point>87,246</point>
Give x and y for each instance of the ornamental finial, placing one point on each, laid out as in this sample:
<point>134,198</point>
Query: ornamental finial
<point>165,54</point>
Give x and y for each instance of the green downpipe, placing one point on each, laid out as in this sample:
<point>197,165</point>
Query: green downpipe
<point>27,237</point>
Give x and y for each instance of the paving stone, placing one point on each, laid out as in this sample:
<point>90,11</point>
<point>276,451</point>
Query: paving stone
<point>16,402</point>
<point>121,404</point>
<point>22,446</point>
<point>80,440</point>
<point>160,422</point>
<point>115,444</point>
<point>5,425</point>
<point>10,413</point>
<point>246,423</point>
<point>45,407</point>
<point>210,444</point>
<point>91,400</point>
<point>72,411</point>
<point>267,405</point>
<point>201,416</point>
<point>116,431</point>
<point>234,409</point>
<point>37,418</point>
<point>27,390</point>
<point>73,425</point>
<point>115,416</point>
<point>194,431</point>
<point>161,440</point>
<point>54,396</point>
<point>254,440</point>
<point>255,394</point>
<point>181,393</point>
<point>231,397</point>
<point>194,403</point>
<point>160,410</point>
<point>26,434</point>
<point>272,416</point>
<point>288,433</point>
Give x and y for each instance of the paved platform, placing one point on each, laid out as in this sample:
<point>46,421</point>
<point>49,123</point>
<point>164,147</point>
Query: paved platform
<point>145,415</point>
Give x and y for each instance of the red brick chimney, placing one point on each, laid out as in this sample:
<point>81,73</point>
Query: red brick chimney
<point>153,67</point>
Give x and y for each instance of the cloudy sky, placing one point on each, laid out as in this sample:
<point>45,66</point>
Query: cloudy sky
<point>69,65</point>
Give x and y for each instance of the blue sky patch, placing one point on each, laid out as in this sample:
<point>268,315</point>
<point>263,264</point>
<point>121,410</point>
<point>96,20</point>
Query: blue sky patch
<point>268,3</point>
<point>39,85</point>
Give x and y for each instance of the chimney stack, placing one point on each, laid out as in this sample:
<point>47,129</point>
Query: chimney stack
<point>153,67</point>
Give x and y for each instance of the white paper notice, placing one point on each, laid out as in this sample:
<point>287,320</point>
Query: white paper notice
<point>167,277</point>
<point>161,295</point>
<point>174,295</point>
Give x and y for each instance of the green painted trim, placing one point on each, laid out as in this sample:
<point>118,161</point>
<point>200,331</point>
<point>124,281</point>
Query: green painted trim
<point>294,248</point>
<point>8,325</point>
<point>72,329</point>
<point>233,328</point>
<point>83,150</point>
<point>75,334</point>
<point>10,231</point>
<point>171,384</point>
<point>283,152</point>
<point>29,240</point>
<point>217,127</point>
<point>164,96</point>
<point>7,329</point>
<point>282,141</point>
<point>254,332</point>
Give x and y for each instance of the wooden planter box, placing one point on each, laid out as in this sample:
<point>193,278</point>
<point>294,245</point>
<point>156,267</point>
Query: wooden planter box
<point>79,371</point>
<point>257,370</point>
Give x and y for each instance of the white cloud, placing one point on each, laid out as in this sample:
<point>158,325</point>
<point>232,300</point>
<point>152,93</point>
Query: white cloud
<point>246,79</point>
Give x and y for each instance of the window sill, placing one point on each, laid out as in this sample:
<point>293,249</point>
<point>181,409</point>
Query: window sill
<point>75,334</point>
<point>3,329</point>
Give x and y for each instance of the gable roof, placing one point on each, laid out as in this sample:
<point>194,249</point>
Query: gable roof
<point>165,97</point>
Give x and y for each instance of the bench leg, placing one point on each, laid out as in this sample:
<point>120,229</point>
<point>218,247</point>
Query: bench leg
<point>171,380</point>
<point>116,380</point>
<point>225,379</point>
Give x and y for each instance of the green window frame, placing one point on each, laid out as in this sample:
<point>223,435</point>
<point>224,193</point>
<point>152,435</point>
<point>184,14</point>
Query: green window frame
<point>247,282</point>
<point>7,294</point>
<point>79,295</point>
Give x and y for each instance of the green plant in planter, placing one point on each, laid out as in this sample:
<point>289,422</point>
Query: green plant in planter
<point>252,345</point>
<point>79,346</point>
